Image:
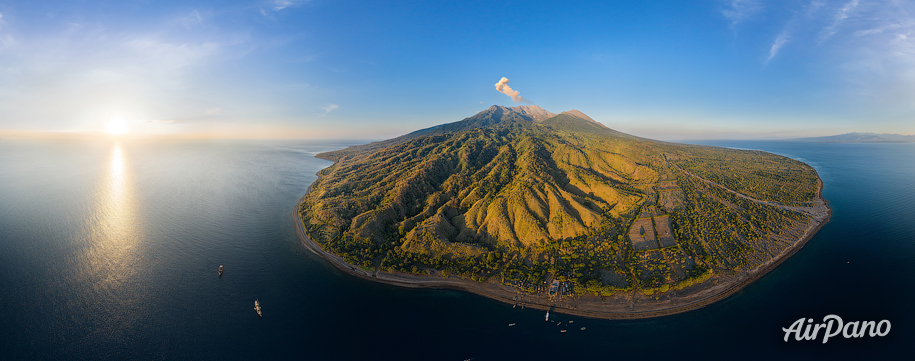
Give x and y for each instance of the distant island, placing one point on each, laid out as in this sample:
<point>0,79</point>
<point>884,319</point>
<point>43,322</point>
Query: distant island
<point>557,211</point>
<point>861,138</point>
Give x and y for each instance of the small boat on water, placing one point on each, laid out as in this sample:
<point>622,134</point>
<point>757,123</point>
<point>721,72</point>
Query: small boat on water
<point>257,307</point>
<point>220,270</point>
<point>547,318</point>
<point>583,328</point>
<point>511,324</point>
<point>562,330</point>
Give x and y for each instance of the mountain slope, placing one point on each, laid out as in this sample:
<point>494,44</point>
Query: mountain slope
<point>862,138</point>
<point>520,195</point>
<point>493,115</point>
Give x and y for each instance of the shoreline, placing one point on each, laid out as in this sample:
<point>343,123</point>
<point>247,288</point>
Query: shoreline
<point>590,306</point>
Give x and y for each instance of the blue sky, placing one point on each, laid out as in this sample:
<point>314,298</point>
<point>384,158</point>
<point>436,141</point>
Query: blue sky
<point>377,69</point>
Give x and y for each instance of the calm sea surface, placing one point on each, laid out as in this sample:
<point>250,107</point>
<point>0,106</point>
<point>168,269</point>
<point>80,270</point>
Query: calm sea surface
<point>109,251</point>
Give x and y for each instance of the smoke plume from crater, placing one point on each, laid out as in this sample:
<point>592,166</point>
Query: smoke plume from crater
<point>502,87</point>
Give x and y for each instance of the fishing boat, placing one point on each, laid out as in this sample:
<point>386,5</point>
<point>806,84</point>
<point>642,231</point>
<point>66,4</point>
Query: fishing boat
<point>547,318</point>
<point>257,307</point>
<point>511,324</point>
<point>220,270</point>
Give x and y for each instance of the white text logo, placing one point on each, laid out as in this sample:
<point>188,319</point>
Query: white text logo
<point>805,329</point>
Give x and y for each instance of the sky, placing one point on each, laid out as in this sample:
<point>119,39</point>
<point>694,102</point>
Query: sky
<point>705,69</point>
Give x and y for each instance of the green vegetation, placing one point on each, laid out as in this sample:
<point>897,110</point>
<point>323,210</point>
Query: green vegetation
<point>758,174</point>
<point>503,198</point>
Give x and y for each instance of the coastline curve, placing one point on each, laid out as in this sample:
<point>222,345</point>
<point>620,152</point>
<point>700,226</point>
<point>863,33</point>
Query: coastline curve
<point>591,308</point>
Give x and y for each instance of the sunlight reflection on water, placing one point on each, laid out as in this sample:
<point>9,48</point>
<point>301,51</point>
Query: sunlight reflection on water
<point>111,259</point>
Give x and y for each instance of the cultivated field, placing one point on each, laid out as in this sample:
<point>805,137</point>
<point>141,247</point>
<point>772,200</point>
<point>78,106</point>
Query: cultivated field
<point>642,235</point>
<point>665,237</point>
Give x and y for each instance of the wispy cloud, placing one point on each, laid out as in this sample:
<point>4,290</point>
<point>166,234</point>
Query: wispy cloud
<point>82,75</point>
<point>813,7</point>
<point>740,10</point>
<point>840,16</point>
<point>329,108</point>
<point>6,40</point>
<point>795,24</point>
<point>866,46</point>
<point>873,46</point>
<point>173,54</point>
<point>271,7</point>
<point>283,4</point>
<point>777,45</point>
<point>905,24</point>
<point>191,19</point>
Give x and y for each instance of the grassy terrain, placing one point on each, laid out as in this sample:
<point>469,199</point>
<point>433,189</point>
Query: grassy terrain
<point>501,196</point>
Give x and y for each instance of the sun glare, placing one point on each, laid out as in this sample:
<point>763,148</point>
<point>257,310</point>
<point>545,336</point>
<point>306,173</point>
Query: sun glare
<point>117,126</point>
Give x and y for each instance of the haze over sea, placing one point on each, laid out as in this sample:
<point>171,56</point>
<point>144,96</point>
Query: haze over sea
<point>109,250</point>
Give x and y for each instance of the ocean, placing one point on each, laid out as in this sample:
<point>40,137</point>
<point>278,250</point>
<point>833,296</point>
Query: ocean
<point>109,250</point>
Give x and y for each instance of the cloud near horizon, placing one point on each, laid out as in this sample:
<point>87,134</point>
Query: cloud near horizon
<point>502,87</point>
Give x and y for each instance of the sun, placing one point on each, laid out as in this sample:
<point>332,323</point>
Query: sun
<point>117,126</point>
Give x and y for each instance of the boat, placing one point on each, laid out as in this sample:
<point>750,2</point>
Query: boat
<point>511,324</point>
<point>257,307</point>
<point>562,330</point>
<point>547,318</point>
<point>220,270</point>
<point>582,328</point>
